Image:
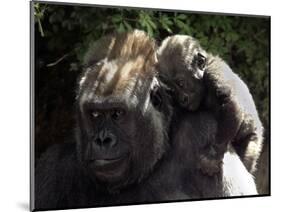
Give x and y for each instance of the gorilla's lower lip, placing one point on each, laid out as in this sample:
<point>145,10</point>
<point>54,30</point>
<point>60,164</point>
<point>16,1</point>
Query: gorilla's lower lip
<point>109,169</point>
<point>104,162</point>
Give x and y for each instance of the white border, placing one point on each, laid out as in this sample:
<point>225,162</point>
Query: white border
<point>14,112</point>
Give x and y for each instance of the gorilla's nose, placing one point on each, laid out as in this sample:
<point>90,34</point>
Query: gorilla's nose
<point>105,139</point>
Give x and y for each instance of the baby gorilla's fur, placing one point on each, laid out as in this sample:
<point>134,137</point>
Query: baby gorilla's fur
<point>201,81</point>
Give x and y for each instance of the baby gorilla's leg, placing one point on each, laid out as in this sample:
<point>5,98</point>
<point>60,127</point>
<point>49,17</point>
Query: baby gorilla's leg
<point>248,142</point>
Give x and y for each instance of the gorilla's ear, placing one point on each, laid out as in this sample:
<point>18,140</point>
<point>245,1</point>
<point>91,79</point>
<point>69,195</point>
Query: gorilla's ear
<point>201,61</point>
<point>156,97</point>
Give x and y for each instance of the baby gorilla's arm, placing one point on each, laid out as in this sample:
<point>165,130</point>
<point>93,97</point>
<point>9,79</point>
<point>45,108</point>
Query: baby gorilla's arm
<point>222,101</point>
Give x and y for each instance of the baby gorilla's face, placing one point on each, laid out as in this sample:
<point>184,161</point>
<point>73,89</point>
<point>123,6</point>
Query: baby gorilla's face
<point>188,84</point>
<point>188,91</point>
<point>181,66</point>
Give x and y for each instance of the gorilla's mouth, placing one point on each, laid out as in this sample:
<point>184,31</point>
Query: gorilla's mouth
<point>105,162</point>
<point>109,169</point>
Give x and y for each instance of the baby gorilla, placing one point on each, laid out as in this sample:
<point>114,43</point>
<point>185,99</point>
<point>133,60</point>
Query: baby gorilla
<point>201,81</point>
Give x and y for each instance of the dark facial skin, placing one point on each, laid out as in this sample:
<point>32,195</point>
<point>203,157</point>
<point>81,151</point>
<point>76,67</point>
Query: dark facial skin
<point>107,148</point>
<point>188,85</point>
<point>188,91</point>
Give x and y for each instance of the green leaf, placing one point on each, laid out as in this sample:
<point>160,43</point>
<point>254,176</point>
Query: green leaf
<point>128,26</point>
<point>152,24</point>
<point>121,28</point>
<point>117,18</point>
<point>181,16</point>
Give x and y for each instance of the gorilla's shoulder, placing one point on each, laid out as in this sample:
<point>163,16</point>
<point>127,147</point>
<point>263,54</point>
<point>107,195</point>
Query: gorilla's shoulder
<point>55,161</point>
<point>56,174</point>
<point>57,153</point>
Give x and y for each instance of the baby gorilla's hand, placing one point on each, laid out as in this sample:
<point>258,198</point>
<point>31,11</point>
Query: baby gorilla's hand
<point>210,161</point>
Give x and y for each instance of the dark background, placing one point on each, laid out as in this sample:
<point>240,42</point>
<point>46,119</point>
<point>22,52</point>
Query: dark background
<point>63,33</point>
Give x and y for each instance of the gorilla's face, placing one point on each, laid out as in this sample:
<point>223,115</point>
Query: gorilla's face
<point>121,130</point>
<point>188,91</point>
<point>181,67</point>
<point>108,127</point>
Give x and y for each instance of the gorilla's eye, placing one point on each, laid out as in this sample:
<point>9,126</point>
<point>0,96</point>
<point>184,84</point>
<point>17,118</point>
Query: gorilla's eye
<point>201,61</point>
<point>117,114</point>
<point>95,114</point>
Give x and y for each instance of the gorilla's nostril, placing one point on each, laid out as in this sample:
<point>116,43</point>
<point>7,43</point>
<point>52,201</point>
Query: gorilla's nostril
<point>98,141</point>
<point>109,141</point>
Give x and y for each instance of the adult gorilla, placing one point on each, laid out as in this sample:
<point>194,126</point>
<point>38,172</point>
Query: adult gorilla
<point>125,151</point>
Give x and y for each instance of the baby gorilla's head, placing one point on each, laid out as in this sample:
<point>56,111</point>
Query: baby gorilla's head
<point>181,66</point>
